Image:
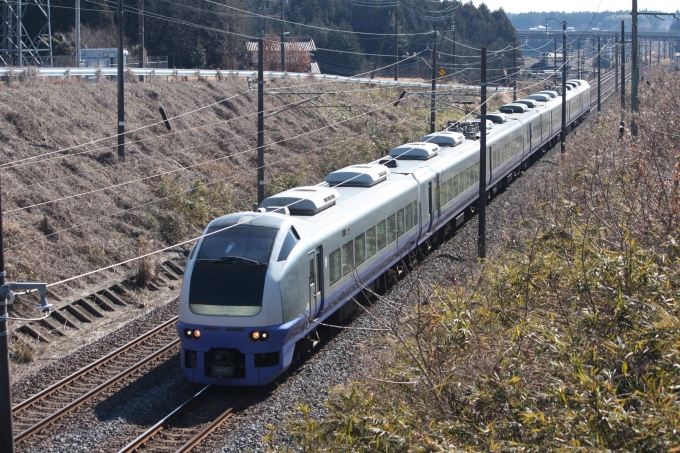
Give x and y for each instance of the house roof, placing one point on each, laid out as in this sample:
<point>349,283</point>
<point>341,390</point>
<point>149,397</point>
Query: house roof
<point>305,44</point>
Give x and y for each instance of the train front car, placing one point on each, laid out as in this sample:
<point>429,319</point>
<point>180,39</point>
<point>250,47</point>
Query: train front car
<point>231,316</point>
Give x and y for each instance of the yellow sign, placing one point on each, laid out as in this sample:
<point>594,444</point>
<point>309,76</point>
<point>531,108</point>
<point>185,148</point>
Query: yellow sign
<point>442,73</point>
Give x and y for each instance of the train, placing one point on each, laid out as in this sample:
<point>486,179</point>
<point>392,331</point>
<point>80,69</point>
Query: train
<point>258,284</point>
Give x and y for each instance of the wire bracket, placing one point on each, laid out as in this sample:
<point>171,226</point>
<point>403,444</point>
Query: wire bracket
<point>8,290</point>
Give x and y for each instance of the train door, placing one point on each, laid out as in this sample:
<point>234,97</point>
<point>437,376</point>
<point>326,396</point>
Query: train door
<point>315,269</point>
<point>430,205</point>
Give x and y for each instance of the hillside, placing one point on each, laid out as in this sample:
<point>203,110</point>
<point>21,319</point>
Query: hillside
<point>71,207</point>
<point>198,34</point>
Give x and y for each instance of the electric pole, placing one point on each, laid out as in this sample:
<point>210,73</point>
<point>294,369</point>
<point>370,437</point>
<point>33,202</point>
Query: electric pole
<point>260,121</point>
<point>433,113</point>
<point>564,87</point>
<point>396,41</point>
<point>6,429</point>
<point>616,62</point>
<point>121,103</point>
<point>77,33</point>
<point>283,42</point>
<point>636,73</point>
<point>481,200</point>
<point>599,67</point>
<point>141,37</point>
<point>623,69</point>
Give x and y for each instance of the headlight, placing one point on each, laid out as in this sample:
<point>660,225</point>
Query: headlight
<point>192,333</point>
<point>256,335</point>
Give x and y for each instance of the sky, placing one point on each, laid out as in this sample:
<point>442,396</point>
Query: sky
<point>523,6</point>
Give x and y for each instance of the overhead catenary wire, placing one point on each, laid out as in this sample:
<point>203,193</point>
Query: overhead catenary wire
<point>123,211</point>
<point>89,192</point>
<point>164,249</point>
<point>14,163</point>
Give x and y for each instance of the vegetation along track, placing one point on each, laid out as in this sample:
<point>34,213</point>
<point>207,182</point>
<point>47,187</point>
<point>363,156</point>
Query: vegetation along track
<point>193,421</point>
<point>54,402</point>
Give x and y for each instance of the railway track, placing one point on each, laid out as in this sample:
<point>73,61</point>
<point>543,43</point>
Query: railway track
<point>193,421</point>
<point>49,405</point>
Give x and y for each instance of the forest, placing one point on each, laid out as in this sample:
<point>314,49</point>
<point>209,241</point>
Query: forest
<point>582,20</point>
<point>349,34</point>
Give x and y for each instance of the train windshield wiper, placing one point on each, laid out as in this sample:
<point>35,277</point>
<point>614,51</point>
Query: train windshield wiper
<point>234,259</point>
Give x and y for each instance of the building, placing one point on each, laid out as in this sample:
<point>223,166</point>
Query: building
<point>299,57</point>
<point>101,58</point>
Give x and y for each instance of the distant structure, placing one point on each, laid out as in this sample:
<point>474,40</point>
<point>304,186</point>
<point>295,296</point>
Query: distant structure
<point>17,46</point>
<point>293,47</point>
<point>102,58</point>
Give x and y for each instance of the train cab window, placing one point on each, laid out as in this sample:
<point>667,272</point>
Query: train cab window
<point>370,242</point>
<point>359,249</point>
<point>381,234</point>
<point>415,213</point>
<point>292,238</point>
<point>335,271</point>
<point>229,274</point>
<point>409,216</point>
<point>347,258</point>
<point>391,228</point>
<point>400,223</point>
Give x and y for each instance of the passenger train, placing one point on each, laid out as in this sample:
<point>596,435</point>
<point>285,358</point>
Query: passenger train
<point>257,284</point>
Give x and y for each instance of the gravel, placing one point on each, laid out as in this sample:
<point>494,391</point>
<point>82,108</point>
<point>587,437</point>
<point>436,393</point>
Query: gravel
<point>112,420</point>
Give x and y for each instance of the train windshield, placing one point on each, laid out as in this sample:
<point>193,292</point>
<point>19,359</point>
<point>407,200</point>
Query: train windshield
<point>229,273</point>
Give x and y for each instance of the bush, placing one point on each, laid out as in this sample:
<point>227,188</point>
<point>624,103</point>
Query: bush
<point>568,341</point>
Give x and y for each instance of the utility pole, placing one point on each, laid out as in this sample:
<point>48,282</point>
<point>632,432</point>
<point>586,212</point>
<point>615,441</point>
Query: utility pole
<point>555,61</point>
<point>564,87</point>
<point>121,103</point>
<point>636,73</point>
<point>77,34</point>
<point>433,111</point>
<point>283,41</point>
<point>396,41</point>
<point>578,63</point>
<point>514,68</point>
<point>141,37</point>
<point>623,69</point>
<point>6,429</point>
<point>481,200</point>
<point>616,62</point>
<point>599,69</point>
<point>260,121</point>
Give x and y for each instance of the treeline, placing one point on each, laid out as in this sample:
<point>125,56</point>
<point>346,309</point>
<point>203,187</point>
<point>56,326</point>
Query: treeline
<point>605,20</point>
<point>213,34</point>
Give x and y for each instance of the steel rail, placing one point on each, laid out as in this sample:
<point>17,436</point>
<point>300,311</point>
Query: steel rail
<point>85,370</point>
<point>150,433</point>
<point>92,393</point>
<point>212,426</point>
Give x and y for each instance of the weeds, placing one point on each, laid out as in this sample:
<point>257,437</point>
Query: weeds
<point>570,340</point>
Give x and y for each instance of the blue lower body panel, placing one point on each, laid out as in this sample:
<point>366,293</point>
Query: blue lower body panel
<point>228,356</point>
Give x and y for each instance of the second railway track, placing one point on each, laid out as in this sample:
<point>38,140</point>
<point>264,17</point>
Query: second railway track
<point>47,406</point>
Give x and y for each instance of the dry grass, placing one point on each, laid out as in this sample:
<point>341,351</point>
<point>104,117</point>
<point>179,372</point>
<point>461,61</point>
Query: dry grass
<point>203,168</point>
<point>568,340</point>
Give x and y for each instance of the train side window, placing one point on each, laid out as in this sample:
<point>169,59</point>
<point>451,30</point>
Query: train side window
<point>381,232</point>
<point>391,228</point>
<point>289,243</point>
<point>409,216</point>
<point>370,242</point>
<point>359,249</point>
<point>334,267</point>
<point>449,184</point>
<point>347,258</point>
<point>415,212</point>
<point>400,223</point>
<point>456,186</point>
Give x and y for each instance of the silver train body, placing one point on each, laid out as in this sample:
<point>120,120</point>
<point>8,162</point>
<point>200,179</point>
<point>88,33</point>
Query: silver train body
<point>258,283</point>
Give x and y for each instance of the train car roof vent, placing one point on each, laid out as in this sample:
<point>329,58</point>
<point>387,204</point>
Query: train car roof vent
<point>308,200</point>
<point>389,162</point>
<point>444,138</point>
<point>365,175</point>
<point>415,151</point>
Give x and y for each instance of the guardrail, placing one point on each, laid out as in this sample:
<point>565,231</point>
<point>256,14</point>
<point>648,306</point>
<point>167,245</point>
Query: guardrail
<point>151,73</point>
